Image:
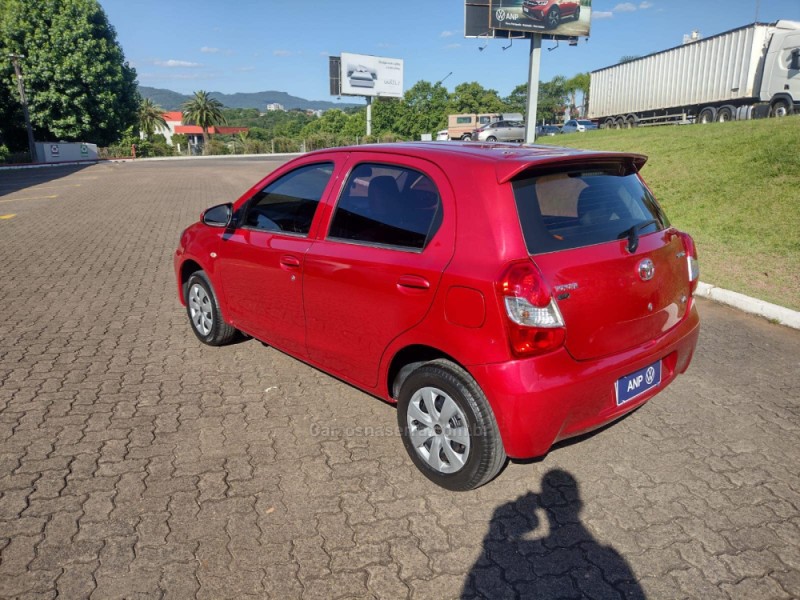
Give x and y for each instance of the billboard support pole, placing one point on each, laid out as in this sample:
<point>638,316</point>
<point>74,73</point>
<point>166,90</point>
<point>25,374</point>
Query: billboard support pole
<point>369,115</point>
<point>533,88</point>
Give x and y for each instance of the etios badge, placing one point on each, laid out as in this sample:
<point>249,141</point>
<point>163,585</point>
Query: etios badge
<point>646,269</point>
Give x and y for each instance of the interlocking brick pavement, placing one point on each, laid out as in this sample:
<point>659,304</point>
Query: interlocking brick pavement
<point>137,463</point>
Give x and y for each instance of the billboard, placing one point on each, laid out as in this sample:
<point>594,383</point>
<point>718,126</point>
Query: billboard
<point>557,18</point>
<point>364,75</point>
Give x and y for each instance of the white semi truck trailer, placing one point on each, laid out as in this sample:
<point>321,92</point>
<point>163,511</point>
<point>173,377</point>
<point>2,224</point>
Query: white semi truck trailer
<point>748,72</point>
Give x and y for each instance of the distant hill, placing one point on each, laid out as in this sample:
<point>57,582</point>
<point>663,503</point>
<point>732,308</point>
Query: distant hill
<point>169,100</point>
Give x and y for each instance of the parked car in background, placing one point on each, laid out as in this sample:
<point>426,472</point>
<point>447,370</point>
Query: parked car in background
<point>502,300</point>
<point>574,125</point>
<point>548,130</point>
<point>501,131</point>
<point>551,12</point>
<point>442,135</point>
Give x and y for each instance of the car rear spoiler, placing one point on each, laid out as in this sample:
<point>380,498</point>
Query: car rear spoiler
<point>523,163</point>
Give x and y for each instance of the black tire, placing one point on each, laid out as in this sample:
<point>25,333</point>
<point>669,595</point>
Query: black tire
<point>620,123</point>
<point>578,13</point>
<point>631,122</point>
<point>707,115</point>
<point>726,113</point>
<point>466,137</point>
<point>205,316</point>
<point>491,138</point>
<point>609,124</point>
<point>780,108</point>
<point>553,18</point>
<point>484,456</point>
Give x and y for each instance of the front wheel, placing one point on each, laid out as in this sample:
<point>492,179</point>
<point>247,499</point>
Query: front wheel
<point>553,18</point>
<point>491,138</point>
<point>780,108</point>
<point>466,137</point>
<point>448,427</point>
<point>204,313</point>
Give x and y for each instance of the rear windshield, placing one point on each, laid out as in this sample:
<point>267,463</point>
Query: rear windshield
<point>564,210</point>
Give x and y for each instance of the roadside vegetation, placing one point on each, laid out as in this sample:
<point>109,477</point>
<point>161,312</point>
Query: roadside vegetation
<point>735,187</point>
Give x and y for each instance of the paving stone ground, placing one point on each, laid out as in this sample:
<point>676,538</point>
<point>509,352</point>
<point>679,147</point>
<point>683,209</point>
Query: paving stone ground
<point>137,463</point>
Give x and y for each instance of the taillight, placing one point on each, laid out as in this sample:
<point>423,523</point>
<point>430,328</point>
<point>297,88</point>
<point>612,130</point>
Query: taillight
<point>534,324</point>
<point>691,260</point>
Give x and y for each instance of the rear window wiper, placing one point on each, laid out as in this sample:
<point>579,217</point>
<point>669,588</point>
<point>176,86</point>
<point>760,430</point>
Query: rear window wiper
<point>632,233</point>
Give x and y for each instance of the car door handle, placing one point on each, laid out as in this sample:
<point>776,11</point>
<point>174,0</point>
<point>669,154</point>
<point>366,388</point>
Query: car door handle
<point>413,281</point>
<point>290,262</point>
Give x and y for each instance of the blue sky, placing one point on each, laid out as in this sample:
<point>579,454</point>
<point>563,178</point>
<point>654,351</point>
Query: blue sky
<point>256,45</point>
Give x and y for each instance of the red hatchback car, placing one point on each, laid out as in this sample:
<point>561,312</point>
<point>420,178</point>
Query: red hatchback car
<point>505,297</point>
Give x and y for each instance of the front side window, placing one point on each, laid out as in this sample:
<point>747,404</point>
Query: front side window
<point>288,204</point>
<point>464,120</point>
<point>387,205</point>
<point>578,208</point>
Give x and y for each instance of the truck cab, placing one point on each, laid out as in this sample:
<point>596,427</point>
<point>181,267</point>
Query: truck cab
<point>780,85</point>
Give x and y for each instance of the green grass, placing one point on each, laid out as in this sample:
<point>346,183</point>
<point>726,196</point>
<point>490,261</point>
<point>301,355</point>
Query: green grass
<point>735,187</point>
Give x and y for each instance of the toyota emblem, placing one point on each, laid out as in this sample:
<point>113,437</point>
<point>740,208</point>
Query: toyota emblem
<point>646,269</point>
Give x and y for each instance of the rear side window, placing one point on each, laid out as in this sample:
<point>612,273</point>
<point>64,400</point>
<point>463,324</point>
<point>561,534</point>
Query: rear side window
<point>388,205</point>
<point>288,204</point>
<point>565,210</point>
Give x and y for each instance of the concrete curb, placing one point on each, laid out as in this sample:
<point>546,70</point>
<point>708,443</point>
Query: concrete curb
<point>773,312</point>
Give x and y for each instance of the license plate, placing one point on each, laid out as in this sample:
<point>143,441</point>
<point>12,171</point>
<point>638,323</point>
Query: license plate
<point>637,383</point>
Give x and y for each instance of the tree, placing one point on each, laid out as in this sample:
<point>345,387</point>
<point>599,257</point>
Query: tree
<point>517,101</point>
<point>151,117</point>
<point>474,98</point>
<point>579,83</point>
<point>424,110</point>
<point>204,111</point>
<point>552,98</point>
<point>78,84</point>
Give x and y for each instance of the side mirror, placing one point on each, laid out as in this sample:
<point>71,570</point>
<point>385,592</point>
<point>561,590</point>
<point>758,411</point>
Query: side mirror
<point>218,216</point>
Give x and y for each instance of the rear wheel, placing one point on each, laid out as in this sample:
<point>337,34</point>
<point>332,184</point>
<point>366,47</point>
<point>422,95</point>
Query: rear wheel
<point>204,312</point>
<point>726,113</point>
<point>466,137</point>
<point>578,13</point>
<point>620,123</point>
<point>707,115</point>
<point>448,427</point>
<point>491,138</point>
<point>630,122</point>
<point>553,18</point>
<point>609,124</point>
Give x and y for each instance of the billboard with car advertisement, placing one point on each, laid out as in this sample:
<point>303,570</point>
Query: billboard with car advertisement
<point>557,18</point>
<point>364,75</point>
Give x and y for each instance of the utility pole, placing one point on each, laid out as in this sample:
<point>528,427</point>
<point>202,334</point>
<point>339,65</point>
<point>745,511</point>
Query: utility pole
<point>21,85</point>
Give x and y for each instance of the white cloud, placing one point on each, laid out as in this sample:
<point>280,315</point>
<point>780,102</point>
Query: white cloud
<point>452,46</point>
<point>602,14</point>
<point>172,63</point>
<point>446,34</point>
<point>625,7</point>
<point>645,5</point>
<point>282,53</point>
<point>208,50</point>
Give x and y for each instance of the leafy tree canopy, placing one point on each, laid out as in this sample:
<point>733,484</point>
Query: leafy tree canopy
<point>79,86</point>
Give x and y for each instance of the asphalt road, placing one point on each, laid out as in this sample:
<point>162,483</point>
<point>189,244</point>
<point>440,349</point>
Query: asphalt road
<point>137,463</point>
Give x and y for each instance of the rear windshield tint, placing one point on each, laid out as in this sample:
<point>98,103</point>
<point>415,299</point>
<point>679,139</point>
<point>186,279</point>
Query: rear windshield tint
<point>572,209</point>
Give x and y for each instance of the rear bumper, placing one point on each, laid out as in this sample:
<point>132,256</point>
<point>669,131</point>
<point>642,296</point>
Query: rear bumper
<point>543,400</point>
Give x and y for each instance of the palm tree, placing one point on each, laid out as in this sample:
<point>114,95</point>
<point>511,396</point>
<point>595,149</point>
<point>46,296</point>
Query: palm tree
<point>204,111</point>
<point>151,117</point>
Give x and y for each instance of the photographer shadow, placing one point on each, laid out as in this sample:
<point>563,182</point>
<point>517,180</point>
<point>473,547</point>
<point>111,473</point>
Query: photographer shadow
<point>527,556</point>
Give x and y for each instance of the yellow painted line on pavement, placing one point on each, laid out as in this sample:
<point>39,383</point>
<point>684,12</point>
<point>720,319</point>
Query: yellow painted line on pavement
<point>6,217</point>
<point>29,198</point>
